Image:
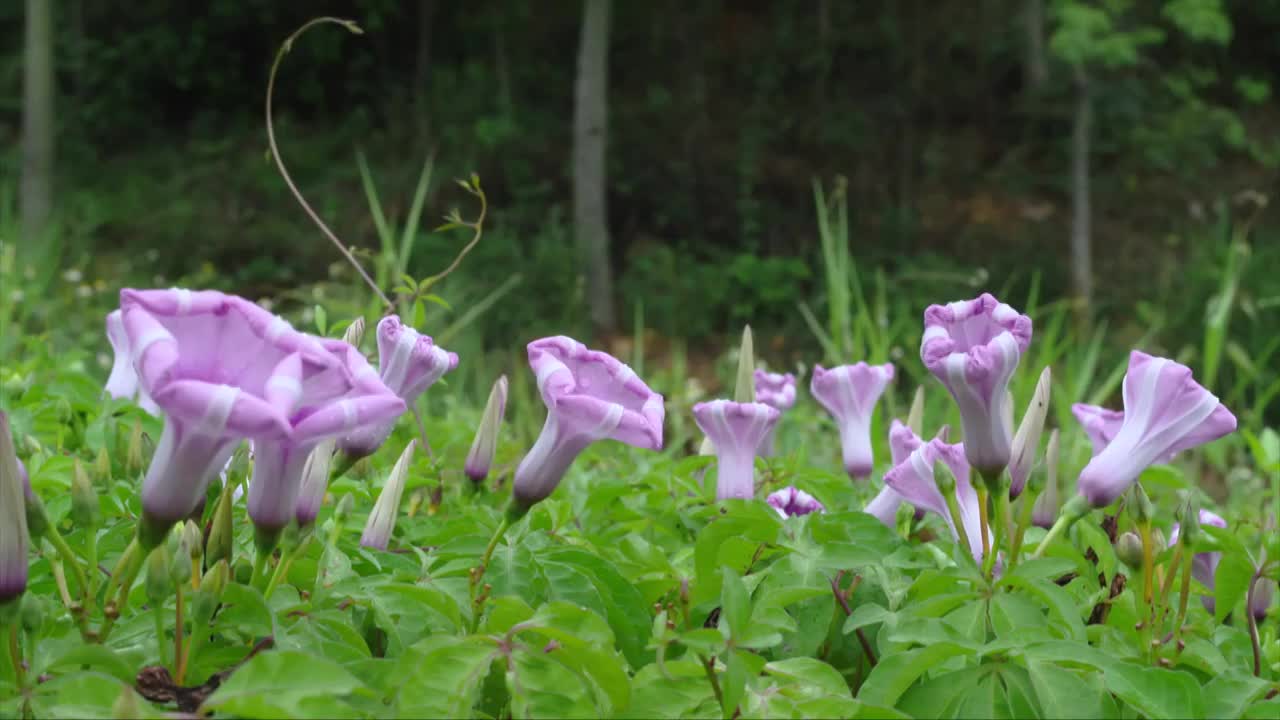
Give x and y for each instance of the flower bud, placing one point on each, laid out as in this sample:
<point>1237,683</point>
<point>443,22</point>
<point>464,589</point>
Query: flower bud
<point>159,583</point>
<point>180,557</point>
<point>1026,442</point>
<point>382,521</point>
<point>1143,509</point>
<point>243,571</point>
<point>133,460</point>
<point>206,599</point>
<point>354,333</point>
<point>102,467</point>
<point>221,531</point>
<point>343,509</point>
<point>194,540</point>
<point>85,512</point>
<point>744,389</point>
<point>1189,524</point>
<point>485,445</point>
<point>33,612</point>
<point>915,417</point>
<point>14,512</point>
<point>1129,550</point>
<point>943,476</point>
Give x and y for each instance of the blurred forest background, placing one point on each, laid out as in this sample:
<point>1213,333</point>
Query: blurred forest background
<point>1114,154</point>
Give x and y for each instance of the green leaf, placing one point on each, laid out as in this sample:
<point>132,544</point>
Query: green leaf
<point>1227,696</point>
<point>96,657</point>
<point>810,677</point>
<point>540,687</point>
<point>673,690</point>
<point>1063,693</point>
<point>733,682</point>
<point>569,624</point>
<point>892,675</point>
<point>1265,710</point>
<point>1155,692</point>
<point>271,686</point>
<point>731,540</point>
<point>1045,568</point>
<point>322,319</point>
<point>79,695</point>
<point>623,605</point>
<point>444,678</point>
<point>735,603</point>
<point>704,640</point>
<point>1231,582</point>
<point>1060,603</point>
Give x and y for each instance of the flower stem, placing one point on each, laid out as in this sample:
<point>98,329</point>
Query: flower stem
<point>1024,520</point>
<point>162,647</point>
<point>126,571</point>
<point>15,655</point>
<point>983,522</point>
<point>282,570</point>
<point>957,519</point>
<point>710,667</point>
<point>1184,590</point>
<point>69,559</point>
<point>1075,509</point>
<point>179,628</point>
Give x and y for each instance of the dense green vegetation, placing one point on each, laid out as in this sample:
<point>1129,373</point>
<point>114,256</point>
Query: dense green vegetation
<point>823,171</point>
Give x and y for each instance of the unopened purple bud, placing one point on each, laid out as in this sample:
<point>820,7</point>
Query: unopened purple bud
<point>485,445</point>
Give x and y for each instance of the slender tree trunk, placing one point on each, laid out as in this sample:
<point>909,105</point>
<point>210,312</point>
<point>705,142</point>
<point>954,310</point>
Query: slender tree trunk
<point>590,133</point>
<point>422,67</point>
<point>1081,262</point>
<point>37,125</point>
<point>1037,68</point>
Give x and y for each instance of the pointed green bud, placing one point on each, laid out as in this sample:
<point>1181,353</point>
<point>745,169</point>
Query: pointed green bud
<point>744,389</point>
<point>1189,530</point>
<point>159,583</point>
<point>1143,509</point>
<point>915,418</point>
<point>1045,484</point>
<point>180,556</point>
<point>194,540</point>
<point>209,595</point>
<point>343,509</point>
<point>354,333</point>
<point>485,445</point>
<point>1129,550</point>
<point>134,462</point>
<point>1026,443</point>
<point>221,531</point>
<point>102,467</point>
<point>243,571</point>
<point>33,612</point>
<point>382,521</point>
<point>945,481</point>
<point>85,512</point>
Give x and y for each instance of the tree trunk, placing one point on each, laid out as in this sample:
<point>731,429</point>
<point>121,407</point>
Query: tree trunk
<point>37,125</point>
<point>1037,68</point>
<point>422,67</point>
<point>1081,263</point>
<point>590,117</point>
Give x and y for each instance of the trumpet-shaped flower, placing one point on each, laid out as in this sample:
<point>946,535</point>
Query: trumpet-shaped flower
<point>221,369</point>
<point>1165,412</point>
<point>902,442</point>
<point>335,401</point>
<point>777,390</point>
<point>13,518</point>
<point>123,381</point>
<point>408,363</point>
<point>1099,423</point>
<point>792,501</point>
<point>1204,565</point>
<point>973,347</point>
<point>913,479</point>
<point>850,393</point>
<point>590,396</point>
<point>485,445</point>
<point>737,431</point>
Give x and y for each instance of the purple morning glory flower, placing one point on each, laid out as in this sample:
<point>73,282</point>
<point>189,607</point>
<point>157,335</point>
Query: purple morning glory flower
<point>850,393</point>
<point>778,391</point>
<point>221,369</point>
<point>1099,423</point>
<point>590,396</point>
<point>737,430</point>
<point>791,501</point>
<point>902,442</point>
<point>408,363</point>
<point>1165,412</point>
<point>123,381</point>
<point>330,402</point>
<point>913,479</point>
<point>973,347</point>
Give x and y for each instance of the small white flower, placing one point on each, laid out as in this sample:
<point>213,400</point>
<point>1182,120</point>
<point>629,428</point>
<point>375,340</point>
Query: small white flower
<point>73,276</point>
<point>84,291</point>
<point>17,296</point>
